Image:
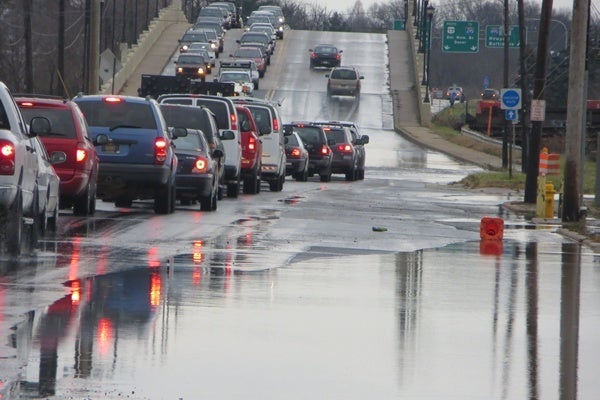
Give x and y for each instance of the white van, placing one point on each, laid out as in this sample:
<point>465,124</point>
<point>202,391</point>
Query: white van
<point>227,121</point>
<point>266,116</point>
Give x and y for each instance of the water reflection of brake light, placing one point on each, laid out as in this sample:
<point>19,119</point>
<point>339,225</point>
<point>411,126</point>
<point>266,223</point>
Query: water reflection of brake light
<point>153,260</point>
<point>75,292</point>
<point>105,335</point>
<point>197,252</point>
<point>155,289</point>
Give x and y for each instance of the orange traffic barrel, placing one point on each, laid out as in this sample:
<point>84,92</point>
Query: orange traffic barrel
<point>490,247</point>
<point>553,164</point>
<point>491,228</point>
<point>543,166</point>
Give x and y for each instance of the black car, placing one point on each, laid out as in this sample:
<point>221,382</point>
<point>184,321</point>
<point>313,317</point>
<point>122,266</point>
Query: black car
<point>358,141</point>
<point>325,55</point>
<point>346,157</point>
<point>296,163</point>
<point>315,141</point>
<point>192,65</point>
<point>198,170</point>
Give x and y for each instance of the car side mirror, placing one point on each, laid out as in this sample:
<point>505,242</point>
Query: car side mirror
<point>100,140</point>
<point>39,126</point>
<point>365,139</point>
<point>326,75</point>
<point>361,77</point>
<point>217,153</point>
<point>227,135</point>
<point>178,132</point>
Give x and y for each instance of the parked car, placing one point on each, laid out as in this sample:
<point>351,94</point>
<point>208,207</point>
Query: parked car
<point>296,157</point>
<point>19,171</point>
<point>70,148</point>
<point>267,118</point>
<point>345,156</point>
<point>325,55</point>
<point>251,150</point>
<point>490,94</point>
<point>344,81</point>
<point>226,116</point>
<point>135,148</point>
<point>192,65</point>
<point>203,120</point>
<point>358,140</point>
<point>316,143</point>
<point>198,169</point>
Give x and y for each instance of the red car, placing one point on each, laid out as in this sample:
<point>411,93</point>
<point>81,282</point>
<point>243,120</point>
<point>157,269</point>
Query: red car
<point>251,150</point>
<point>70,148</point>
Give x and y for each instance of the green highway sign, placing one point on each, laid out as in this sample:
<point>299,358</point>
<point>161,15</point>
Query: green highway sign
<point>494,36</point>
<point>460,37</point>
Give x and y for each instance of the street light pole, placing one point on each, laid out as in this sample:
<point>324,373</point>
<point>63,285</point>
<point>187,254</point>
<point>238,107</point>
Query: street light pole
<point>422,24</point>
<point>430,10</point>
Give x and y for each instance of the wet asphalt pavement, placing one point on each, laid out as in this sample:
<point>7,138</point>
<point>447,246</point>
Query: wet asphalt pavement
<point>294,295</point>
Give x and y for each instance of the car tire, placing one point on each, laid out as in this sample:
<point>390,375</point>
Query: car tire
<point>233,189</point>
<point>251,184</point>
<point>81,205</point>
<point>206,203</point>
<point>13,226</point>
<point>52,222</point>
<point>164,198</point>
<point>256,85</point>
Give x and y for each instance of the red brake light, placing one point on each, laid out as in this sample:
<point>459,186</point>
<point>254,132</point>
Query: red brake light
<point>252,144</point>
<point>345,148</point>
<point>275,124</point>
<point>112,99</point>
<point>26,104</point>
<point>325,150</point>
<point>338,56</point>
<point>80,155</point>
<point>313,55</point>
<point>200,165</point>
<point>295,153</point>
<point>233,121</point>
<point>160,151</point>
<point>7,158</point>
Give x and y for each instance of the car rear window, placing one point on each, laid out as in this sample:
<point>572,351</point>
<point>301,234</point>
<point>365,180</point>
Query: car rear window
<point>193,141</point>
<point>293,140</point>
<point>309,134</point>
<point>61,120</point>
<point>338,135</point>
<point>343,74</point>
<point>128,114</point>
<point>220,109</point>
<point>327,49</point>
<point>262,118</point>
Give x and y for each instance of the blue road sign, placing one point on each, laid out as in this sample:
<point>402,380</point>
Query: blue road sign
<point>511,114</point>
<point>510,99</point>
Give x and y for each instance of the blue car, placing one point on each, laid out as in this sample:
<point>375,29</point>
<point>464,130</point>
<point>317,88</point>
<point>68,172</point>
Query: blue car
<point>135,149</point>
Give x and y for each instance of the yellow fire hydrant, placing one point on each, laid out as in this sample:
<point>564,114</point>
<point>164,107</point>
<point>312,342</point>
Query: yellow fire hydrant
<point>549,211</point>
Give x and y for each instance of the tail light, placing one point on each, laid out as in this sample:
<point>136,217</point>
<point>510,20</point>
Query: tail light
<point>345,148</point>
<point>200,165</point>
<point>338,56</point>
<point>295,153</point>
<point>313,55</point>
<point>160,151</point>
<point>252,144</point>
<point>275,125</point>
<point>80,154</point>
<point>233,119</point>
<point>7,157</point>
<point>325,150</point>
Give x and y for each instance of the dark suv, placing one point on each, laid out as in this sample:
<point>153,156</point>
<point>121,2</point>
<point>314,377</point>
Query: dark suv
<point>69,146</point>
<point>346,158</point>
<point>137,161</point>
<point>315,141</point>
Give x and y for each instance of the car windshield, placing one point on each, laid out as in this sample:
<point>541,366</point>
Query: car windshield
<point>118,114</point>
<point>248,53</point>
<point>254,37</point>
<point>194,37</point>
<point>191,59</point>
<point>343,74</point>
<point>325,49</point>
<point>61,120</point>
<point>193,141</point>
<point>233,76</point>
<point>200,46</point>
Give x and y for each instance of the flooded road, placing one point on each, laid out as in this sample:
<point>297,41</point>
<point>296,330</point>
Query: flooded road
<point>294,295</point>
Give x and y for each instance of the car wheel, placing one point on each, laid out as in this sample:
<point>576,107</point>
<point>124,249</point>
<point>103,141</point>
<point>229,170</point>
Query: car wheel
<point>206,203</point>
<point>214,201</point>
<point>52,223</point>
<point>13,226</point>
<point>256,85</point>
<point>261,74</point>
<point>163,198</point>
<point>251,184</point>
<point>233,189</point>
<point>81,205</point>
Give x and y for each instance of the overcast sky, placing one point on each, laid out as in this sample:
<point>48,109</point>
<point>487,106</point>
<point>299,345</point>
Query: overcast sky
<point>344,5</point>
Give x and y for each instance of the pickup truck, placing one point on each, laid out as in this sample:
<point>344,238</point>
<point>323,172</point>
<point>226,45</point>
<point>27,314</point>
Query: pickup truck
<point>20,167</point>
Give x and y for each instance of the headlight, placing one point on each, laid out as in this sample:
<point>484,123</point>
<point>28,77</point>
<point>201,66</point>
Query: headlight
<point>200,71</point>
<point>281,29</point>
<point>184,47</point>
<point>281,19</point>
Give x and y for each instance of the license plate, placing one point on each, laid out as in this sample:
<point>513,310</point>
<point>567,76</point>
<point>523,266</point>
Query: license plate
<point>110,148</point>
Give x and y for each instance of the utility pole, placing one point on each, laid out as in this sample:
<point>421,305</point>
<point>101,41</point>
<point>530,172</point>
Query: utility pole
<point>524,87</point>
<point>61,47</point>
<point>533,159</point>
<point>576,107</point>
<point>505,83</point>
<point>94,48</point>
<point>28,46</point>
